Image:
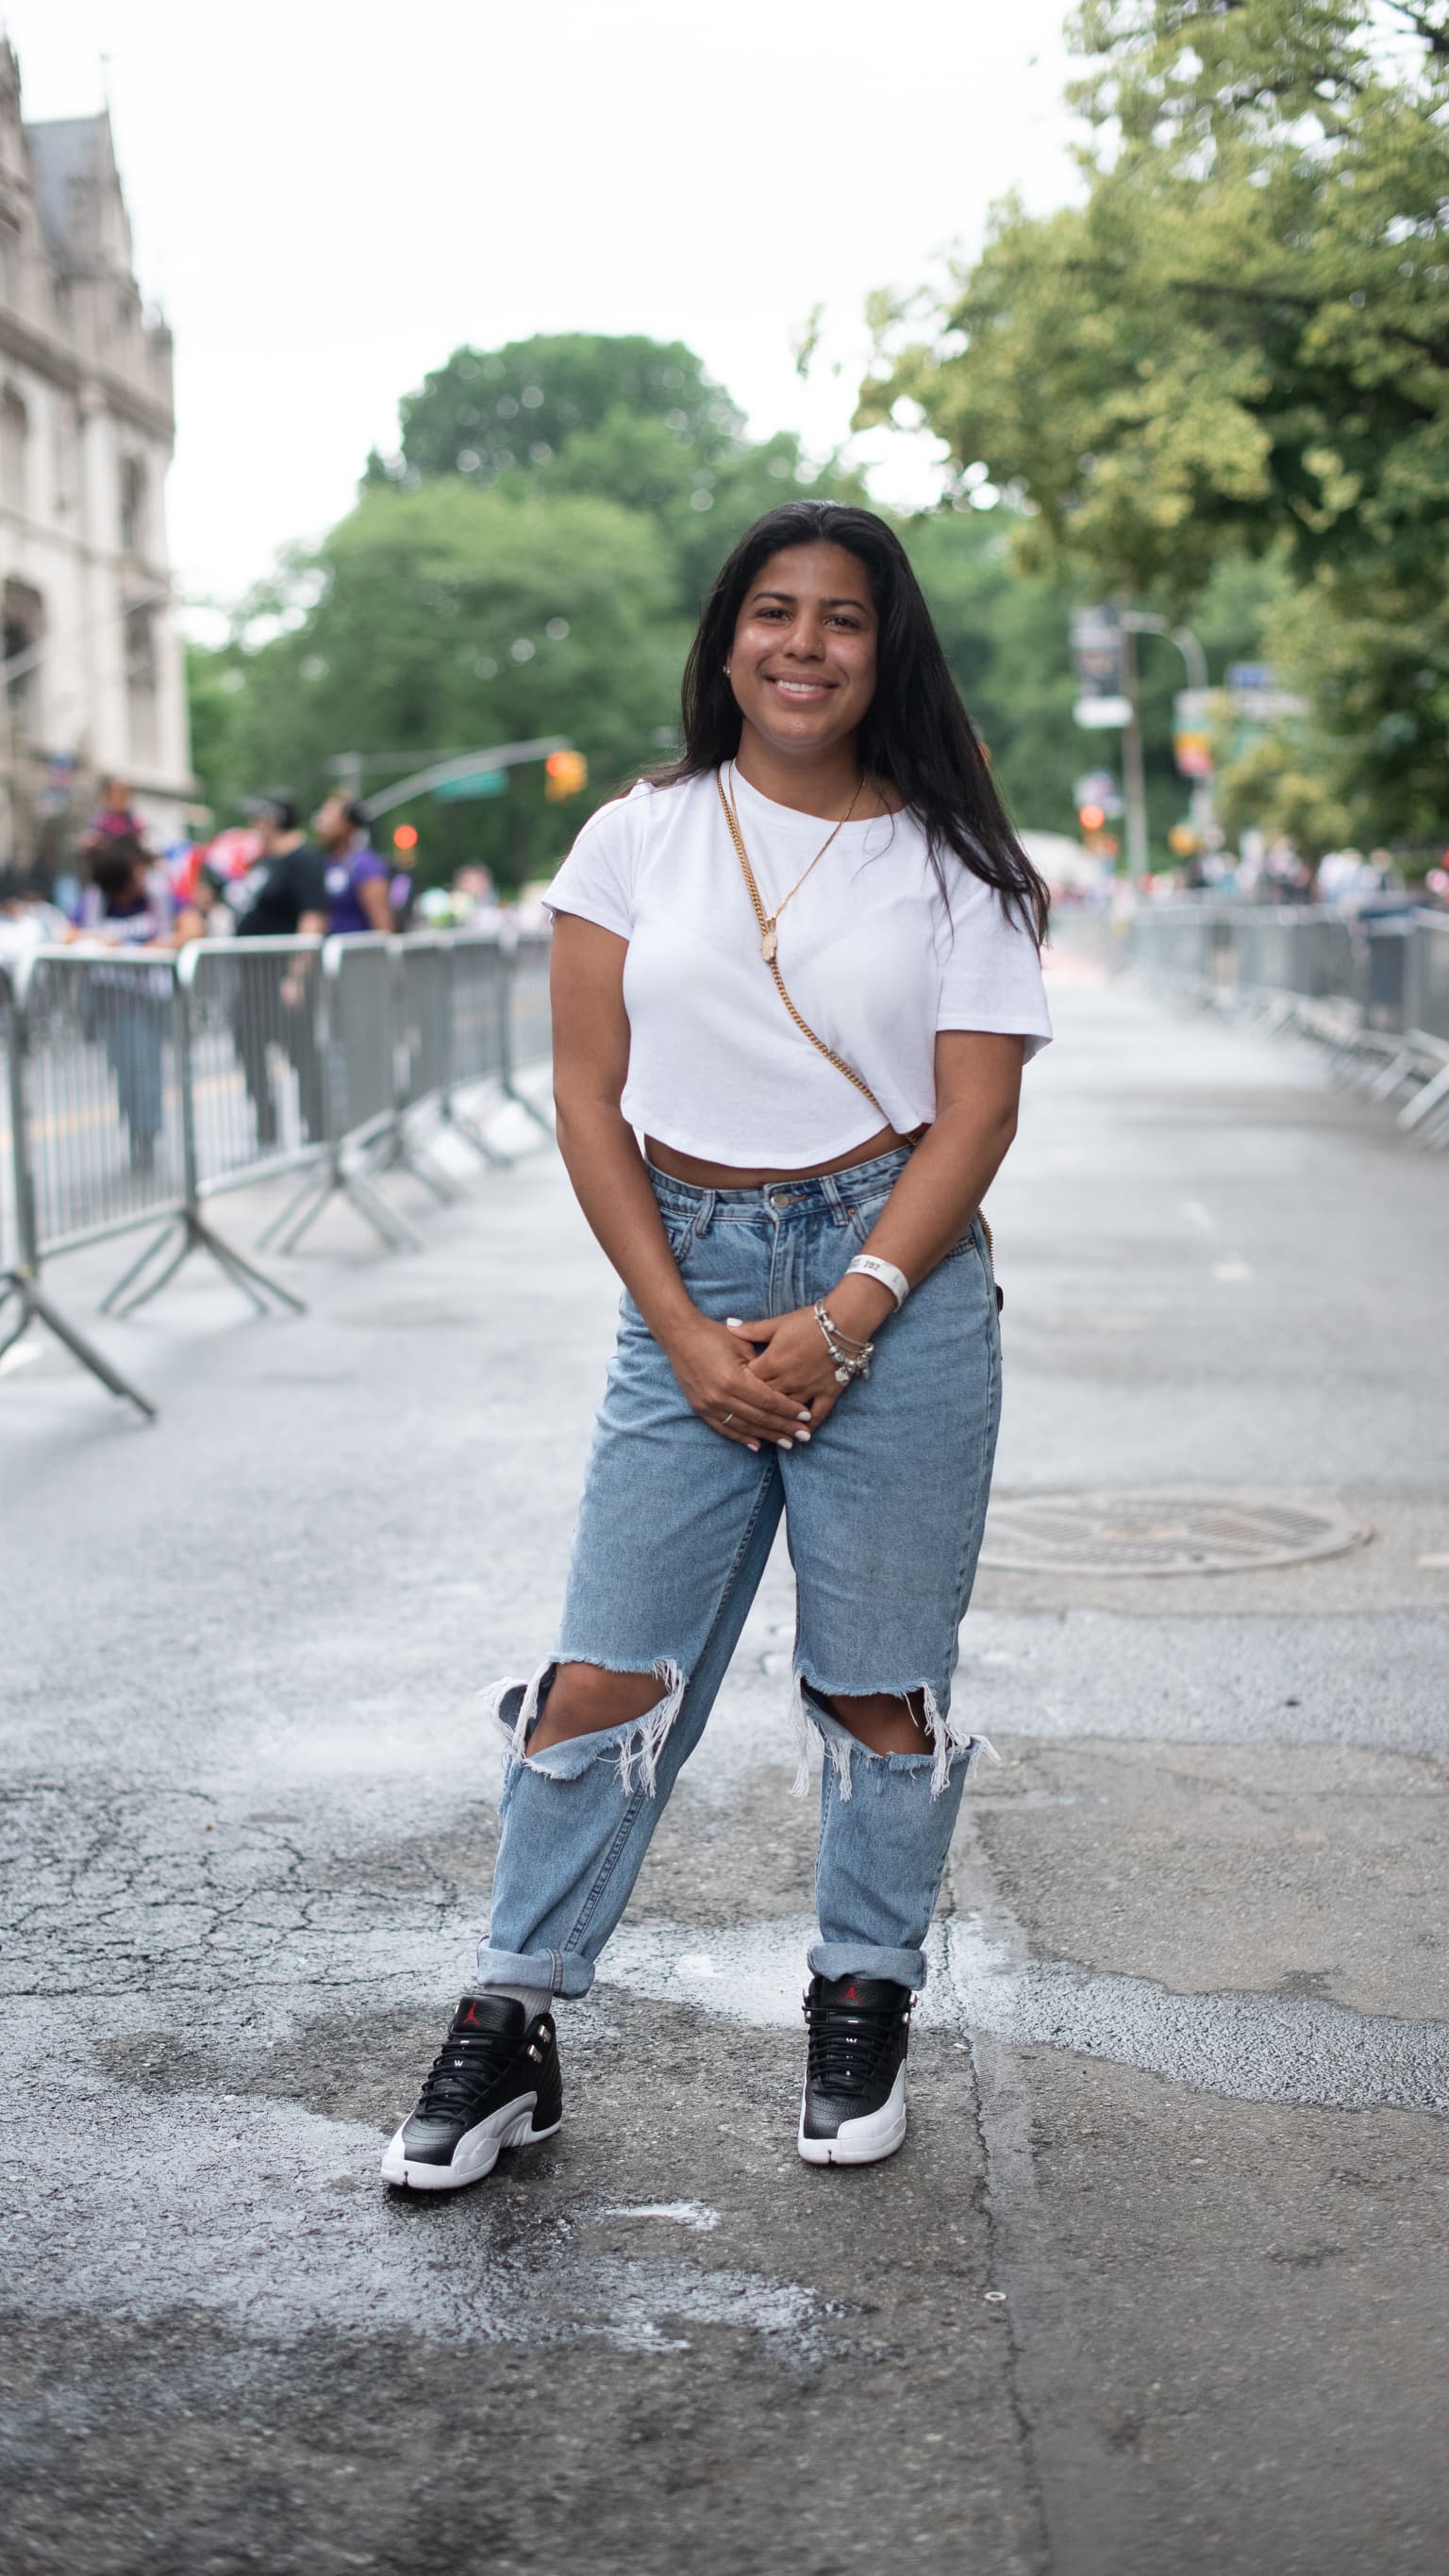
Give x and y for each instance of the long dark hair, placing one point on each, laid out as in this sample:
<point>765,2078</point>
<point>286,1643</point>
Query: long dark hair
<point>916,733</point>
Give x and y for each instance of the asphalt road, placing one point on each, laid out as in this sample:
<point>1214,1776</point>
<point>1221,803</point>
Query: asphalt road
<point>1159,2284</point>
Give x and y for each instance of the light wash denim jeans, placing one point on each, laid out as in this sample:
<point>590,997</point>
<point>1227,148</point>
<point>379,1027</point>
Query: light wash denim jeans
<point>883,1511</point>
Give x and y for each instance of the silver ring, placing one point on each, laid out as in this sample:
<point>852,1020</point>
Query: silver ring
<point>729,1417</point>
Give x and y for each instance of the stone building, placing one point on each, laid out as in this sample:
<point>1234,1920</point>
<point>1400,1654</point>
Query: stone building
<point>93,680</point>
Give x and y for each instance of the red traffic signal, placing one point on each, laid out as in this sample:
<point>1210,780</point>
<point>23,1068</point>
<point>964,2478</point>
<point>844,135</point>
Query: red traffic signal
<point>564,774</point>
<point>405,837</point>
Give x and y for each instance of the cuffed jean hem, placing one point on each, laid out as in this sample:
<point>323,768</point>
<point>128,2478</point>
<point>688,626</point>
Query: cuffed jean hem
<point>560,1972</point>
<point>857,1959</point>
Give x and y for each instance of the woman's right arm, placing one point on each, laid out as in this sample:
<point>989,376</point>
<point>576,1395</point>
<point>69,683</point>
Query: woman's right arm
<point>602,1157</point>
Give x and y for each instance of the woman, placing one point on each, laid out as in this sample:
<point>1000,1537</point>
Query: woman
<point>128,906</point>
<point>804,963</point>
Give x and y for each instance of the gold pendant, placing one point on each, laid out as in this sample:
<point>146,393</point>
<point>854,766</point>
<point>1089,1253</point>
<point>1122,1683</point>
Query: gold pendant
<point>769,943</point>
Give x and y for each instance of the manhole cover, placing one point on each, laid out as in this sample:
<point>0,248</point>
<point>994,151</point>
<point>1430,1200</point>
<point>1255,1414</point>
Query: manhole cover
<point>1160,1533</point>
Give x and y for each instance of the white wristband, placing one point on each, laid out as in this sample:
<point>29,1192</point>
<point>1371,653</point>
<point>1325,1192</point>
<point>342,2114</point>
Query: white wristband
<point>886,1272</point>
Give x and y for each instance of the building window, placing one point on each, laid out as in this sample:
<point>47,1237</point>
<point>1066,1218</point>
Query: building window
<point>14,440</point>
<point>133,506</point>
<point>22,624</point>
<point>141,679</point>
<point>10,263</point>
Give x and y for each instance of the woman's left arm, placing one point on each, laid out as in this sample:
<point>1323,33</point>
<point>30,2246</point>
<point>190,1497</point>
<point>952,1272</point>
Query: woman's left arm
<point>978,1084</point>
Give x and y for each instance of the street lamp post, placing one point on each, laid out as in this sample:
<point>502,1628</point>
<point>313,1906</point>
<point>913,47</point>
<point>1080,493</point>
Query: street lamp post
<point>1143,621</point>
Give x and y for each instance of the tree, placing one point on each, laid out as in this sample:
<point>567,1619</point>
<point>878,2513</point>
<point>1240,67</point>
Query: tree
<point>629,420</point>
<point>1238,341</point>
<point>445,618</point>
<point>492,412</point>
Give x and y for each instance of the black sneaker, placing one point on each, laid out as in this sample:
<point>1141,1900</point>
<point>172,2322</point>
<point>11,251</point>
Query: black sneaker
<point>854,2108</point>
<point>494,2083</point>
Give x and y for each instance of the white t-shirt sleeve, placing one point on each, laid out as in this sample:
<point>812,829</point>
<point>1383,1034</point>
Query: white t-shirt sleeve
<point>596,880</point>
<point>991,974</point>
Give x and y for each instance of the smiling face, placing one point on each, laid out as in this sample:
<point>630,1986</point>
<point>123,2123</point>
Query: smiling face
<point>802,664</point>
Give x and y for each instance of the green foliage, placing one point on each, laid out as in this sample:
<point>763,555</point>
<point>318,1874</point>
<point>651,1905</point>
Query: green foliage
<point>1279,786</point>
<point>212,684</point>
<point>581,481</point>
<point>492,412</point>
<point>629,420</point>
<point>1238,342</point>
<point>1006,635</point>
<point>429,629</point>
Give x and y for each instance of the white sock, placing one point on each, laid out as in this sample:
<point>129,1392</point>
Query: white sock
<point>534,1999</point>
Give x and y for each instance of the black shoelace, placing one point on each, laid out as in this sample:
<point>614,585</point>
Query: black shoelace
<point>848,2042</point>
<point>462,2069</point>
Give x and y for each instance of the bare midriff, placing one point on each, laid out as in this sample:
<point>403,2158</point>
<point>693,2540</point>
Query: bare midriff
<point>732,1176</point>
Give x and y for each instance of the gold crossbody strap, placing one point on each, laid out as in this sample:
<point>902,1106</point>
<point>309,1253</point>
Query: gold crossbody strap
<point>762,918</point>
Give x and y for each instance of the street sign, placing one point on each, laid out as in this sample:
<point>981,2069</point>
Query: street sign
<point>478,782</point>
<point>1255,694</point>
<point>1101,669</point>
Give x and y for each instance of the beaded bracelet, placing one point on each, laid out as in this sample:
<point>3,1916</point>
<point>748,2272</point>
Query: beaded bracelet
<point>851,1358</point>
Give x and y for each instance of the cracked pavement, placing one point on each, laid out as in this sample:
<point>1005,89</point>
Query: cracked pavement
<point>1159,2282</point>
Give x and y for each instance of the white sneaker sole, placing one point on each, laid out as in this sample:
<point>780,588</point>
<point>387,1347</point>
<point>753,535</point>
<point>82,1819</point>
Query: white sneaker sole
<point>476,2153</point>
<point>861,2142</point>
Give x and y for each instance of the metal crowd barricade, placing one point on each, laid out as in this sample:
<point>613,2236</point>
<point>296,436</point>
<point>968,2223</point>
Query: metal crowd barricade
<point>92,1096</point>
<point>140,1086</point>
<point>1373,988</point>
<point>356,1035</point>
<point>1174,940</point>
<point>478,1002</point>
<point>422,1006</point>
<point>526,1031</point>
<point>251,1100</point>
<point>1426,1023</point>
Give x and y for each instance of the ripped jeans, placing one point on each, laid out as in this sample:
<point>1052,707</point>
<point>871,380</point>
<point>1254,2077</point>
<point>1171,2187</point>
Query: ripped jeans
<point>883,1511</point>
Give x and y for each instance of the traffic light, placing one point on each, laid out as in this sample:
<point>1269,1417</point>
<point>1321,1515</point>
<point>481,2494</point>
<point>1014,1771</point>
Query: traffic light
<point>405,837</point>
<point>564,774</point>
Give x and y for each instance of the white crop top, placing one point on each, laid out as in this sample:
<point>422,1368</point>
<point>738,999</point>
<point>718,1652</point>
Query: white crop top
<point>869,952</point>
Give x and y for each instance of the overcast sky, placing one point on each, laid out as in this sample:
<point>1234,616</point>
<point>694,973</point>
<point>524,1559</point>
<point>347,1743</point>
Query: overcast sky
<point>328,196</point>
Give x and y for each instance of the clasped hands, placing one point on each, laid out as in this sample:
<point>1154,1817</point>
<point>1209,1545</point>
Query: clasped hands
<point>766,1378</point>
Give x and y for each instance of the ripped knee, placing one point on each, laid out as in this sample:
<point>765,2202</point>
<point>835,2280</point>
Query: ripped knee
<point>883,1721</point>
<point>586,1699</point>
<point>911,1722</point>
<point>620,1716</point>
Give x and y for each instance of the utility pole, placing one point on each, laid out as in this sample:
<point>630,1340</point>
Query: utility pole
<point>1134,775</point>
<point>1189,706</point>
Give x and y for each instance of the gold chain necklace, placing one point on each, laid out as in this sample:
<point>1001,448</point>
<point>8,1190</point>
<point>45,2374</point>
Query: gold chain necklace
<point>769,935</point>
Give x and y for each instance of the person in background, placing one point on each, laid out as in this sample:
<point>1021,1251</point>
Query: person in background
<point>284,893</point>
<point>114,822</point>
<point>282,896</point>
<point>475,898</point>
<point>356,877</point>
<point>132,1003</point>
<point>402,890</point>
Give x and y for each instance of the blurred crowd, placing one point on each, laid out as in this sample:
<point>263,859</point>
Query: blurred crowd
<point>1273,871</point>
<point>268,878</point>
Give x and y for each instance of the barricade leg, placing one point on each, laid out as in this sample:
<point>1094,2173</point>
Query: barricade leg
<point>188,1230</point>
<point>35,1307</point>
<point>1425,1102</point>
<point>301,1213</point>
<point>191,1233</point>
<point>401,1152</point>
<point>466,1126</point>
